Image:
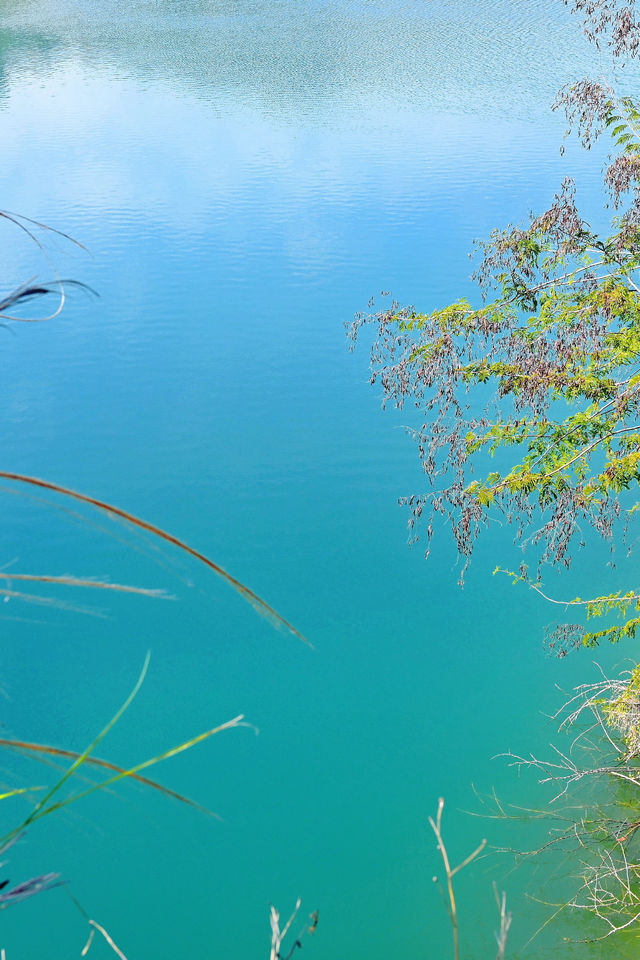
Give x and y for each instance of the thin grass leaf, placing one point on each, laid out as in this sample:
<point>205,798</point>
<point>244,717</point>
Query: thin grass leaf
<point>20,220</point>
<point>174,751</point>
<point>39,748</point>
<point>41,809</point>
<point>18,791</point>
<point>48,602</point>
<point>88,582</point>
<point>256,602</point>
<point>30,290</point>
<point>29,888</point>
<point>96,926</point>
<point>9,842</point>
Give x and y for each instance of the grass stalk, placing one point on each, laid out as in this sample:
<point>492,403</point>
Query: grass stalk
<point>436,826</point>
<point>42,808</point>
<point>40,749</point>
<point>256,602</point>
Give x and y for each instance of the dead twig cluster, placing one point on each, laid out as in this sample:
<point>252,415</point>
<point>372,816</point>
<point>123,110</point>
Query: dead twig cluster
<point>278,935</point>
<point>448,896</point>
<point>602,720</point>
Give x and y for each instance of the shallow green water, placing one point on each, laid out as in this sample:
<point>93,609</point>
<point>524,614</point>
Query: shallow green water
<point>245,176</point>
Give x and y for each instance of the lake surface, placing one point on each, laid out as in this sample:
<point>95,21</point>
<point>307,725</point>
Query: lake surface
<point>244,177</point>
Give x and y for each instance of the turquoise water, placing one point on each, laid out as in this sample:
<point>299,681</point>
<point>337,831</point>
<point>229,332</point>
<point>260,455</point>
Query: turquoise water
<point>244,177</point>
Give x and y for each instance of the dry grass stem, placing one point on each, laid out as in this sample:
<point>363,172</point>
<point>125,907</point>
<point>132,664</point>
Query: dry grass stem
<point>505,923</point>
<point>87,946</point>
<point>256,602</point>
<point>602,721</point>
<point>96,926</point>
<point>33,289</point>
<point>87,582</point>
<point>436,826</point>
<point>48,805</point>
<point>278,935</point>
<point>39,748</point>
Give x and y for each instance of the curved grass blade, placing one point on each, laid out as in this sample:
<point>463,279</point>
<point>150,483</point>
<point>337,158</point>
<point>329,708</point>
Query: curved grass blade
<point>96,926</point>
<point>29,888</point>
<point>39,748</point>
<point>48,602</point>
<point>30,290</point>
<point>256,602</point>
<point>41,809</point>
<point>174,751</point>
<point>19,220</point>
<point>18,791</point>
<point>69,581</point>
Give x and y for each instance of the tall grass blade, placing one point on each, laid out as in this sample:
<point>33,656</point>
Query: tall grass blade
<point>19,220</point>
<point>29,888</point>
<point>48,602</point>
<point>18,791</point>
<point>30,290</point>
<point>42,807</point>
<point>174,751</point>
<point>256,602</point>
<point>88,582</point>
<point>39,748</point>
<point>96,926</point>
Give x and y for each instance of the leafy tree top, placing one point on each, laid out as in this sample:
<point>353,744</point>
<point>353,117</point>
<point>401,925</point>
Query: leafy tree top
<point>546,370</point>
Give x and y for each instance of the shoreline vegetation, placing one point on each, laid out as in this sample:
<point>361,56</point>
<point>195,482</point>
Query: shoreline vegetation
<point>545,377</point>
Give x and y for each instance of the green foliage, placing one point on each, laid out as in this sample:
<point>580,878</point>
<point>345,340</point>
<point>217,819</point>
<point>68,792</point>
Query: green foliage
<point>555,348</point>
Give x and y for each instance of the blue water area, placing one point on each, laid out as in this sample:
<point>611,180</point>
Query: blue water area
<point>243,177</point>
